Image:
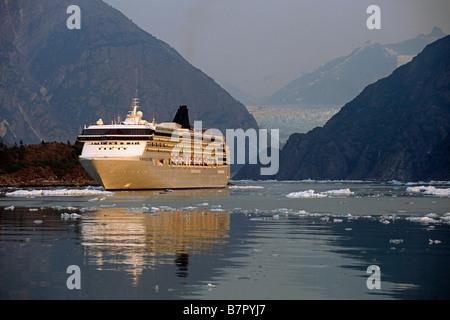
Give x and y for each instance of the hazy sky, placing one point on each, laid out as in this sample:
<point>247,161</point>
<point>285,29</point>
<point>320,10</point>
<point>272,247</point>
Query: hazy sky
<point>261,45</point>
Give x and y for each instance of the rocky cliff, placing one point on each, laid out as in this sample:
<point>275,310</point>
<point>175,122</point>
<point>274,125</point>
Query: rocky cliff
<point>53,79</point>
<point>396,128</point>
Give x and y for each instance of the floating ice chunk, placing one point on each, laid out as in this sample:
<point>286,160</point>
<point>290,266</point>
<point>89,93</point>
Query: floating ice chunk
<point>9,208</point>
<point>66,215</point>
<point>434,241</point>
<point>305,194</point>
<point>38,221</point>
<point>429,190</point>
<point>421,219</point>
<point>419,189</point>
<point>166,208</point>
<point>446,217</point>
<point>301,213</point>
<point>204,204</point>
<point>58,192</point>
<point>189,208</point>
<point>396,241</point>
<point>438,192</point>
<point>246,187</point>
<point>339,192</point>
<point>313,194</point>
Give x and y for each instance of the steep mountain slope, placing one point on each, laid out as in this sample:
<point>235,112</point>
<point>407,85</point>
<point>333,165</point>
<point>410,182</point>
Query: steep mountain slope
<point>53,80</point>
<point>397,128</point>
<point>342,79</point>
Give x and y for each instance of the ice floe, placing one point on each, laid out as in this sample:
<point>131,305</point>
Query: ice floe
<point>58,192</point>
<point>396,241</point>
<point>66,215</point>
<point>429,190</point>
<point>245,187</point>
<point>256,214</point>
<point>313,194</point>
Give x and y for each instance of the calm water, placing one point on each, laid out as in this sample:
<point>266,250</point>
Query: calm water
<point>248,241</point>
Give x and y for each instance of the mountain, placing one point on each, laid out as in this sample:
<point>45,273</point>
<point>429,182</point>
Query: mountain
<point>396,129</point>
<point>342,79</point>
<point>54,80</point>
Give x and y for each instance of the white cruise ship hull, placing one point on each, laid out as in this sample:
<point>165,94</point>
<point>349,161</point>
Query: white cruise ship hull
<point>136,173</point>
<point>136,154</point>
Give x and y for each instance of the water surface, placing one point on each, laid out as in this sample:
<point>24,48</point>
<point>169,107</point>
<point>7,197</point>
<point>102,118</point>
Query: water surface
<point>247,241</point>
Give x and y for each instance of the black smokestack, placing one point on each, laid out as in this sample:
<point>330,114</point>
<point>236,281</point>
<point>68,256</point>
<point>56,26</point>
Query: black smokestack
<point>182,117</point>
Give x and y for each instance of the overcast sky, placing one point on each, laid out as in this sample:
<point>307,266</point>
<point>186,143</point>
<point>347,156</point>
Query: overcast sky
<point>261,45</point>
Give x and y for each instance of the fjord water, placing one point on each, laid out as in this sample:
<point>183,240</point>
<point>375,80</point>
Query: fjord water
<point>251,240</point>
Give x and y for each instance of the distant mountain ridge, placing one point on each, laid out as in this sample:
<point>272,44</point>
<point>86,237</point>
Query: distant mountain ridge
<point>342,79</point>
<point>396,129</point>
<point>54,80</point>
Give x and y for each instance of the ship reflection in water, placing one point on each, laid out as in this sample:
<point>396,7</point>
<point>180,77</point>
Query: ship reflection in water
<point>135,239</point>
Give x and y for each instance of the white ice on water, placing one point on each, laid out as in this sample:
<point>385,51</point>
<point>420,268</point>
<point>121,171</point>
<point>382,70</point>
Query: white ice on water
<point>429,190</point>
<point>58,192</point>
<point>246,187</point>
<point>70,215</point>
<point>313,194</point>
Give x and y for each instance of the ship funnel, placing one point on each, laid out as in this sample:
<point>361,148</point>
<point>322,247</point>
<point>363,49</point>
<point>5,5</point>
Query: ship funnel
<point>182,117</point>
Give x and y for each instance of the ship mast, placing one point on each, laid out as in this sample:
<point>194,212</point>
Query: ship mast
<point>134,116</point>
<point>135,105</point>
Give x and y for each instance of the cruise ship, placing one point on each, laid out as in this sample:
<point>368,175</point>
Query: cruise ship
<point>136,154</point>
